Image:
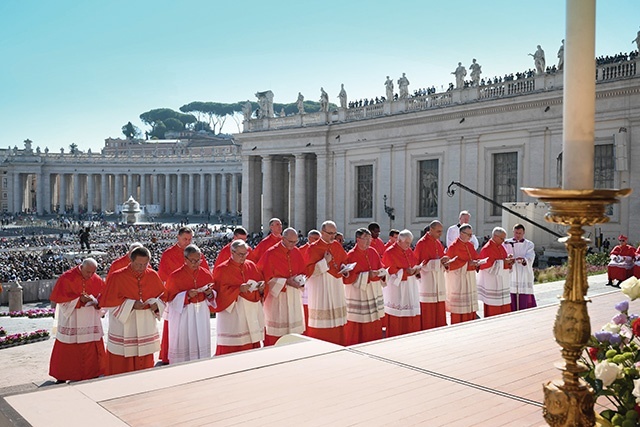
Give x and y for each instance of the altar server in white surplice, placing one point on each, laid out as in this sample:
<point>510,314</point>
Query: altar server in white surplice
<point>521,276</point>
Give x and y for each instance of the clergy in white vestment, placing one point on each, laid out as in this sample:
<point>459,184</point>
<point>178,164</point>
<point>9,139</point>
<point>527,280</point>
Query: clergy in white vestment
<point>453,232</point>
<point>190,294</point>
<point>521,276</point>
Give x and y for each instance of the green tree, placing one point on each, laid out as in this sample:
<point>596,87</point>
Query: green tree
<point>130,131</point>
<point>157,120</point>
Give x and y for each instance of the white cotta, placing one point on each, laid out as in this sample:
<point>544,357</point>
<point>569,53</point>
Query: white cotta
<point>432,286</point>
<point>241,323</point>
<point>462,291</point>
<point>401,297</point>
<point>190,326</point>
<point>326,300</point>
<point>365,300</point>
<point>133,332</point>
<point>77,325</point>
<point>493,285</point>
<point>283,313</point>
<point>521,277</point>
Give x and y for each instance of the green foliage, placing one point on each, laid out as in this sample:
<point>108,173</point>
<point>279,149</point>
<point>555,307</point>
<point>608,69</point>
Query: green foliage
<point>158,130</point>
<point>163,119</point>
<point>599,258</point>
<point>198,126</point>
<point>130,131</point>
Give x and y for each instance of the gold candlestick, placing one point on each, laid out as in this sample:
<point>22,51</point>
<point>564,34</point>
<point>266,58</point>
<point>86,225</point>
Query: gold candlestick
<point>569,401</point>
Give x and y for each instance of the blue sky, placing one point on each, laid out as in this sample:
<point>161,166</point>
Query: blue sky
<point>77,71</point>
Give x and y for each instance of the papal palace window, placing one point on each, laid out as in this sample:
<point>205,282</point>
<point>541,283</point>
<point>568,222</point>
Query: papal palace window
<point>505,179</point>
<point>428,188</point>
<point>604,165</point>
<point>364,191</point>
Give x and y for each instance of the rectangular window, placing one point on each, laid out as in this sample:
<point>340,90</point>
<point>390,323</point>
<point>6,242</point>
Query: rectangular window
<point>364,191</point>
<point>428,188</point>
<point>4,183</point>
<point>604,166</point>
<point>505,179</point>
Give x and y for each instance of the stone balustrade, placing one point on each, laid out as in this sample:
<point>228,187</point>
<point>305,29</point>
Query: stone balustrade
<point>489,91</point>
<point>34,291</point>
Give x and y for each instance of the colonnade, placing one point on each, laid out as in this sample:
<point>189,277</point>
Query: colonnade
<point>289,187</point>
<point>169,193</point>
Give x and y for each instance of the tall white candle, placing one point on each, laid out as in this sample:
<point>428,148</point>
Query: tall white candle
<point>579,102</point>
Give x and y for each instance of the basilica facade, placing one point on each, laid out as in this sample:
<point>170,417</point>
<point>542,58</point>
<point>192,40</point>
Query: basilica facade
<point>392,161</point>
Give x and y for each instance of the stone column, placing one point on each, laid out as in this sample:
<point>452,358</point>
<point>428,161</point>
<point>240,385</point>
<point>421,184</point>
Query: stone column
<point>40,193</point>
<point>190,193</point>
<point>321,212</point>
<point>212,200</point>
<point>17,192</point>
<point>76,193</point>
<point>156,190</point>
<point>234,194</point>
<point>300,195</point>
<point>202,206</point>
<point>129,187</point>
<point>179,193</point>
<point>117,191</point>
<point>46,184</point>
<point>62,193</point>
<point>167,193</point>
<point>144,197</point>
<point>90,192</point>
<point>104,201</point>
<point>223,193</point>
<point>267,194</point>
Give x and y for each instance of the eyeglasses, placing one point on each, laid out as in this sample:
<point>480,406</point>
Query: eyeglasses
<point>331,233</point>
<point>240,254</point>
<point>467,234</point>
<point>194,260</point>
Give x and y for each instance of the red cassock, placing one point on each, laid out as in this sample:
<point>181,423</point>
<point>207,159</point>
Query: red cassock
<point>621,273</point>
<point>121,286</point>
<point>465,252</point>
<point>315,253</point>
<point>396,259</point>
<point>171,260</point>
<point>225,254</point>
<point>432,314</point>
<point>278,262</point>
<point>227,279</point>
<point>262,247</point>
<point>358,332</point>
<point>80,360</point>
<point>185,279</point>
<point>118,263</point>
<point>378,245</point>
<point>494,252</point>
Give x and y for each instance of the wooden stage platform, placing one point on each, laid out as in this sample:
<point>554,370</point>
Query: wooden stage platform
<point>487,372</point>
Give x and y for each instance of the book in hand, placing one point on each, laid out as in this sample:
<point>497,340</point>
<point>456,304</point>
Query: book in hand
<point>482,261</point>
<point>300,279</point>
<point>345,268</point>
<point>451,260</point>
<point>253,285</point>
<point>205,287</point>
<point>93,300</point>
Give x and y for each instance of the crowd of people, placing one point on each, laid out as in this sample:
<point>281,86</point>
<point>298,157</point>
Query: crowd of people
<point>262,289</point>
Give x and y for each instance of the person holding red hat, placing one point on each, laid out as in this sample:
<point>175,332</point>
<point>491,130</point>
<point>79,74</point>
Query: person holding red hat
<point>621,265</point>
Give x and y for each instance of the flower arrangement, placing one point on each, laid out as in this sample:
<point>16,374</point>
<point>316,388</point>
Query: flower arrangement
<point>613,361</point>
<point>23,338</point>
<point>32,314</point>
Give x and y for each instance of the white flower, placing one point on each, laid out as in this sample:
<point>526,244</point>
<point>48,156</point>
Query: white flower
<point>636,390</point>
<point>611,327</point>
<point>607,372</point>
<point>631,288</point>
